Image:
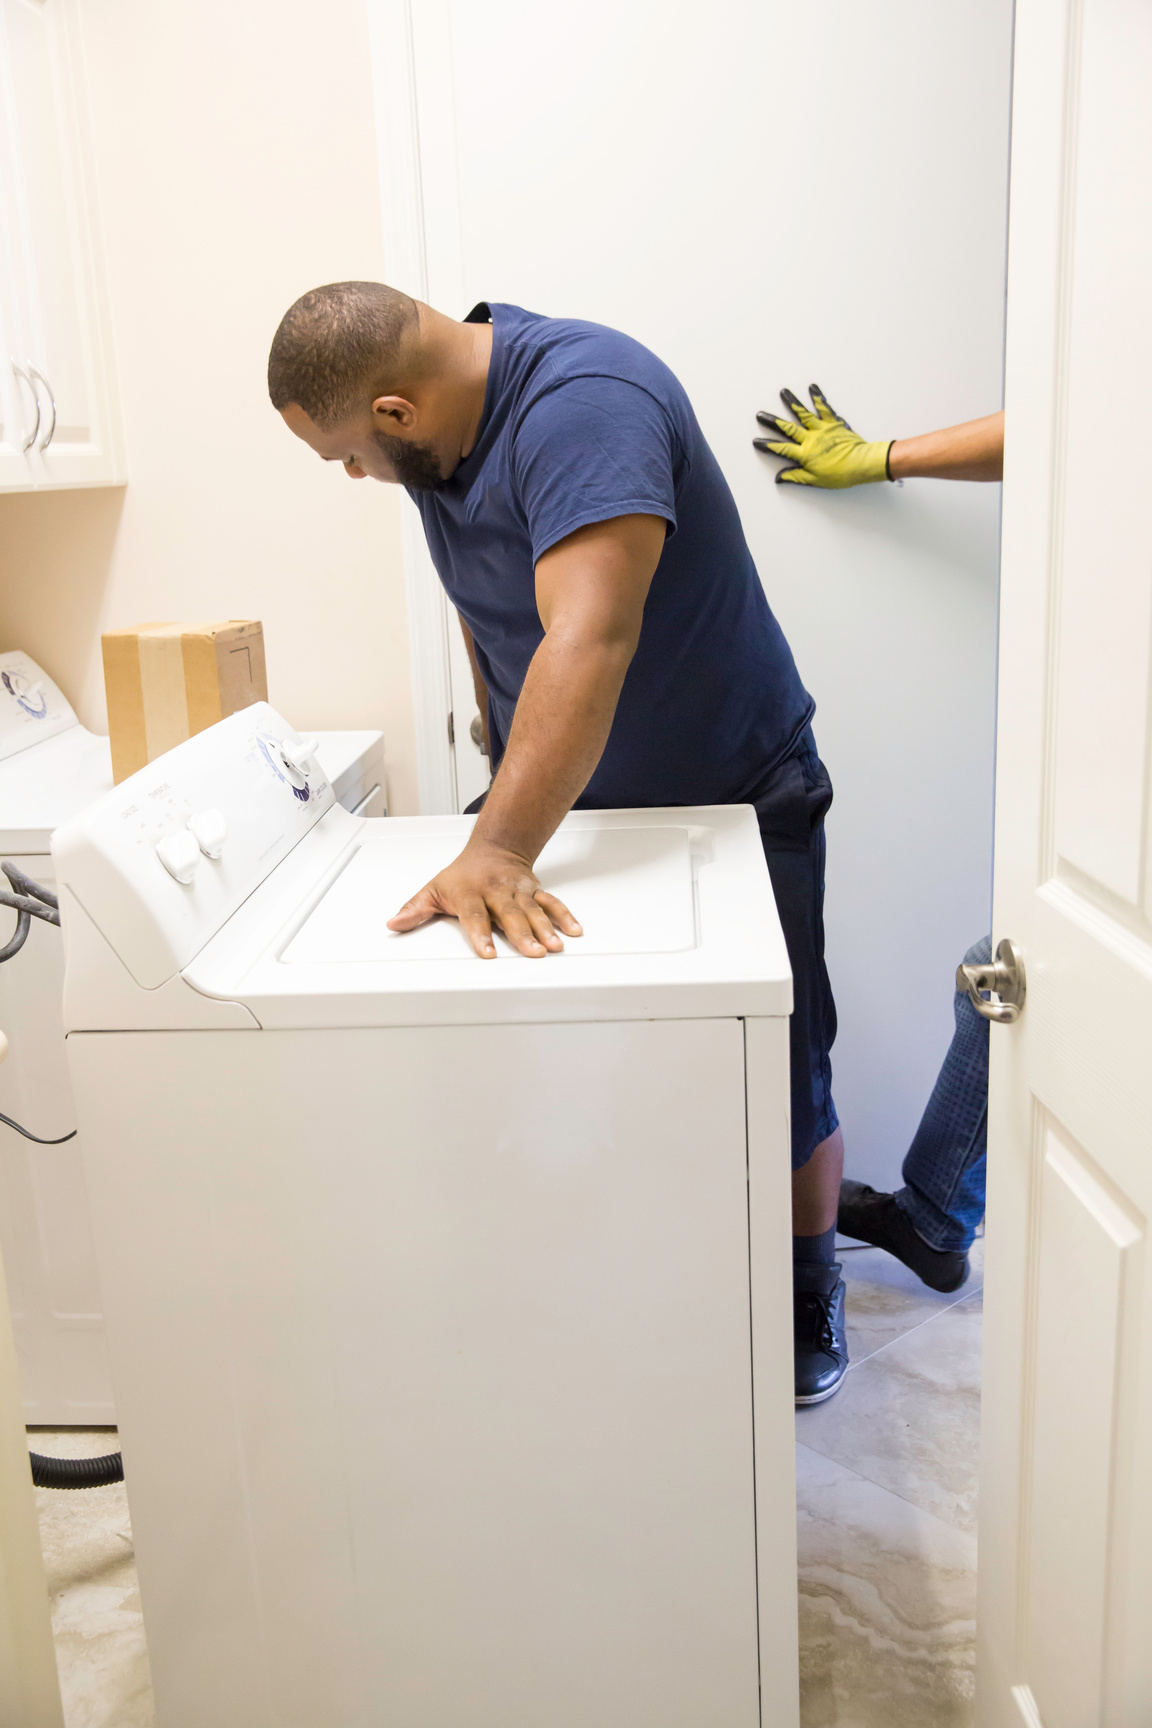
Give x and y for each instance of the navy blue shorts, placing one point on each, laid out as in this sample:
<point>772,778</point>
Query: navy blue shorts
<point>790,807</point>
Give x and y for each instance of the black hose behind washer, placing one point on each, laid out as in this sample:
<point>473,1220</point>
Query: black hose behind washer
<point>76,1472</point>
<point>30,900</point>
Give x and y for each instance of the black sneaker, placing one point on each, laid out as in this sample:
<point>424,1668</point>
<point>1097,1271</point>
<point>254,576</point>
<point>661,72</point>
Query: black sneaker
<point>876,1218</point>
<point>818,1331</point>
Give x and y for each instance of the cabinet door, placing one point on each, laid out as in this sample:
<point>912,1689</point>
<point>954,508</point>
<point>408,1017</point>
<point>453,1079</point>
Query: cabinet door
<point>17,408</point>
<point>53,329</point>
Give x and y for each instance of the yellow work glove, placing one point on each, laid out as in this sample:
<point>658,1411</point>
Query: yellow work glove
<point>822,450</point>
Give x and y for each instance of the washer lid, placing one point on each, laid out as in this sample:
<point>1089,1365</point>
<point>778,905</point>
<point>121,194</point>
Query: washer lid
<point>632,888</point>
<point>677,907</point>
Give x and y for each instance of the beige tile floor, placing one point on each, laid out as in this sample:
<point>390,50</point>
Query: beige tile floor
<point>886,1474</point>
<point>87,1543</point>
<point>887,1527</point>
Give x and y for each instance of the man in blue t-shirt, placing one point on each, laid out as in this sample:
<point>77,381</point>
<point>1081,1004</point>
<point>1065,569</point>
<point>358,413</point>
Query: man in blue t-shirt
<point>590,544</point>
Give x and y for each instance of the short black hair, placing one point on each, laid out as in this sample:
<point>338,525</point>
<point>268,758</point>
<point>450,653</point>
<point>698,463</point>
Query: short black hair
<point>335,343</point>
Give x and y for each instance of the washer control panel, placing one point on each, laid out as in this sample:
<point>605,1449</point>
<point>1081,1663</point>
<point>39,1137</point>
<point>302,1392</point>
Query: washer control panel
<point>209,830</point>
<point>164,859</point>
<point>179,854</point>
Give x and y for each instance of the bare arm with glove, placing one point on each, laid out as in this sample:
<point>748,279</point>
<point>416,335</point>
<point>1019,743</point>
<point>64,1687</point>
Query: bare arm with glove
<point>821,449</point>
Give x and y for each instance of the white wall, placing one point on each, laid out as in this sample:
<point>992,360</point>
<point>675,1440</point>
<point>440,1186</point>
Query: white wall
<point>236,158</point>
<point>766,194</point>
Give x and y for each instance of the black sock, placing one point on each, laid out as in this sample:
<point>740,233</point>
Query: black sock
<point>815,1250</point>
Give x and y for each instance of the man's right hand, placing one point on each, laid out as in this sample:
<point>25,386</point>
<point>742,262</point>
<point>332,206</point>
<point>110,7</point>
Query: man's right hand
<point>822,449</point>
<point>486,887</point>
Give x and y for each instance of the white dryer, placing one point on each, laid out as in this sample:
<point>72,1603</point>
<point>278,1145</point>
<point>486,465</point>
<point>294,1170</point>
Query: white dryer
<point>51,767</point>
<point>448,1301</point>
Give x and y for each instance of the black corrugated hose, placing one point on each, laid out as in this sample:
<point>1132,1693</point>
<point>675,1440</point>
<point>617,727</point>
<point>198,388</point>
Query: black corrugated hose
<point>76,1472</point>
<point>30,900</point>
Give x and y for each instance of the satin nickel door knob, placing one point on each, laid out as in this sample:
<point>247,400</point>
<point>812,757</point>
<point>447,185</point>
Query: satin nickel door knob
<point>1003,978</point>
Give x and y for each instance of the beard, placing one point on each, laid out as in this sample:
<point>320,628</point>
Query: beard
<point>416,466</point>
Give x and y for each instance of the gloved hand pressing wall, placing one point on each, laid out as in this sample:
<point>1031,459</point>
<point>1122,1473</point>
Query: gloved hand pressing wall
<point>822,450</point>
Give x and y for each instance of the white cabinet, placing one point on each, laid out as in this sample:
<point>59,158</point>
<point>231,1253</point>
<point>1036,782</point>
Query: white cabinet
<point>59,413</point>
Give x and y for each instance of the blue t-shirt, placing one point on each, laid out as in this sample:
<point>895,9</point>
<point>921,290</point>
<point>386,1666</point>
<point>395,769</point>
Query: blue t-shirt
<point>582,424</point>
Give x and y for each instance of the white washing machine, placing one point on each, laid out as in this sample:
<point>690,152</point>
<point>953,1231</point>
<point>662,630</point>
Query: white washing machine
<point>51,767</point>
<point>448,1300</point>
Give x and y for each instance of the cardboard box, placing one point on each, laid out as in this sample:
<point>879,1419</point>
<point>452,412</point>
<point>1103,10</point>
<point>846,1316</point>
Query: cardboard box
<point>166,681</point>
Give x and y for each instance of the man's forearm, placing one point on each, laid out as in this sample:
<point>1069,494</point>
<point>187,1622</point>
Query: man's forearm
<point>973,451</point>
<point>561,726</point>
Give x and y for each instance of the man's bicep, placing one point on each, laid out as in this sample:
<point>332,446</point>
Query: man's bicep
<point>596,579</point>
<point>590,450</point>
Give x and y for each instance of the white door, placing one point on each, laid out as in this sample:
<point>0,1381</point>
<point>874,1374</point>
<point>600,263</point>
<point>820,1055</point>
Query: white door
<point>57,384</point>
<point>19,414</point>
<point>471,764</point>
<point>1066,1490</point>
<point>733,185</point>
<point>418,178</point>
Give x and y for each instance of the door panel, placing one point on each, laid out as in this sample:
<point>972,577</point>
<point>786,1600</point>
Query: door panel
<point>1105,616</point>
<point>54,322</point>
<point>1088,1241</point>
<point>51,327</point>
<point>1066,1512</point>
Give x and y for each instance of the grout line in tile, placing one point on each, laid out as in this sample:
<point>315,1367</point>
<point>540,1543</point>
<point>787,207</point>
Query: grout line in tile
<point>884,1487</point>
<point>859,1361</point>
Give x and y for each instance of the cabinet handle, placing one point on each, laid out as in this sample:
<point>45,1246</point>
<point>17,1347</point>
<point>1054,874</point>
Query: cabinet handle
<point>51,432</point>
<point>35,432</point>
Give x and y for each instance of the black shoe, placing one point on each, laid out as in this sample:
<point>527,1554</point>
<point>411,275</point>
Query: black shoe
<point>876,1218</point>
<point>818,1331</point>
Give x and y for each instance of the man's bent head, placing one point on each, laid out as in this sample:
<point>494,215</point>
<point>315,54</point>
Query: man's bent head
<point>348,374</point>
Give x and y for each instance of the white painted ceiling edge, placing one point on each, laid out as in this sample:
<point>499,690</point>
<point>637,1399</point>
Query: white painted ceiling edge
<point>766,196</point>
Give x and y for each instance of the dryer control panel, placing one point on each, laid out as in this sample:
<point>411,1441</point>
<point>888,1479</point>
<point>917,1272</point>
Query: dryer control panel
<point>164,859</point>
<point>32,708</point>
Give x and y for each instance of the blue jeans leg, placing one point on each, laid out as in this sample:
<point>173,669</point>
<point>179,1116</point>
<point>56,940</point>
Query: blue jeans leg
<point>945,1168</point>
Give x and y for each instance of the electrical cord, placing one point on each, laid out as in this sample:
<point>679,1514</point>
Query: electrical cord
<point>28,1135</point>
<point>30,900</point>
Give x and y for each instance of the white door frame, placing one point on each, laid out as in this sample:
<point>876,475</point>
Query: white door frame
<point>416,149</point>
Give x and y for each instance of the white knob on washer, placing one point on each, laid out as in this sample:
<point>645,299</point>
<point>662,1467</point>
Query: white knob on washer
<point>296,752</point>
<point>179,855</point>
<point>209,830</point>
